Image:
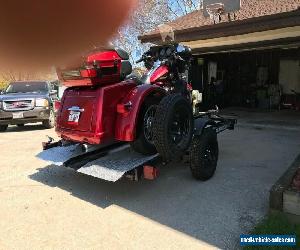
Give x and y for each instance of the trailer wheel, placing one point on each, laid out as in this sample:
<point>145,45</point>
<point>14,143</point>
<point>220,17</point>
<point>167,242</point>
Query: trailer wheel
<point>144,140</point>
<point>173,127</point>
<point>204,154</point>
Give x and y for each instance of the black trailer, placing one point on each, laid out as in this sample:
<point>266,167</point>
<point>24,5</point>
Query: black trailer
<point>113,162</point>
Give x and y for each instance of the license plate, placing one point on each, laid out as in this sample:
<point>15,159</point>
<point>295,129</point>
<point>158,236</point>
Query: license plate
<point>74,116</point>
<point>18,115</point>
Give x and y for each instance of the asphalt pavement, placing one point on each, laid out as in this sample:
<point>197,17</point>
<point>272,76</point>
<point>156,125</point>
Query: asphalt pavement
<point>51,207</point>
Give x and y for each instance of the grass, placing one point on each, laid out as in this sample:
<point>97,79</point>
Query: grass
<point>276,224</point>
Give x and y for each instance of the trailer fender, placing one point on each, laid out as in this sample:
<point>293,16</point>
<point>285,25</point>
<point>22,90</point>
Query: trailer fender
<point>128,110</point>
<point>200,124</point>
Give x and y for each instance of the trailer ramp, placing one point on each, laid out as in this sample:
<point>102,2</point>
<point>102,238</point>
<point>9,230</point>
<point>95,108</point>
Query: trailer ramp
<point>113,166</point>
<point>109,164</point>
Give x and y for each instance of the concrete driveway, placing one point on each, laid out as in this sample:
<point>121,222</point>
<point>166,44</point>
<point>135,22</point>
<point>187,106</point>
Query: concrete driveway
<point>52,207</point>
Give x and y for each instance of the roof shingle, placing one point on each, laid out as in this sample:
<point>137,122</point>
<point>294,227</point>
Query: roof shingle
<point>249,9</point>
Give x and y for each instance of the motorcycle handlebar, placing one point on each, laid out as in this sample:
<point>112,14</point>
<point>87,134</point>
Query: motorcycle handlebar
<point>144,58</point>
<point>140,60</point>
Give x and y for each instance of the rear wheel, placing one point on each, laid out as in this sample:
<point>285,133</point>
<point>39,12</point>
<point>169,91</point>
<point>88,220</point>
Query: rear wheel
<point>204,154</point>
<point>144,140</point>
<point>3,128</point>
<point>173,127</point>
<point>51,120</point>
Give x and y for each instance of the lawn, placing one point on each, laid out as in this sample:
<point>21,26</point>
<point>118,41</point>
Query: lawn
<point>276,224</point>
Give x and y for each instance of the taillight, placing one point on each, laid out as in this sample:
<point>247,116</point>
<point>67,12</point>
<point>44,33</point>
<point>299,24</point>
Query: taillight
<point>88,73</point>
<point>56,105</point>
<point>89,70</point>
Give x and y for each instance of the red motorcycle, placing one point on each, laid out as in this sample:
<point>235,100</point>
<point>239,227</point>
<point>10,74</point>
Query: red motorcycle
<point>153,113</point>
<point>104,105</point>
<point>172,123</point>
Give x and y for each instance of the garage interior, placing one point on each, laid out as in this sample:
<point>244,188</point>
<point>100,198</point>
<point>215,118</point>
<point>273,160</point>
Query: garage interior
<point>263,79</point>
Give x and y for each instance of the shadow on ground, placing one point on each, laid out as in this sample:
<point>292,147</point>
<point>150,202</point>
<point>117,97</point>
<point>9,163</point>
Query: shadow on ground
<point>172,200</point>
<point>25,128</point>
<point>216,211</point>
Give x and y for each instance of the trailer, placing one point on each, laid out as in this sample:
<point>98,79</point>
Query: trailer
<point>119,160</point>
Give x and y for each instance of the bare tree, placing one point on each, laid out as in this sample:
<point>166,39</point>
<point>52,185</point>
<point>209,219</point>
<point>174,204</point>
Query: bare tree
<point>148,15</point>
<point>183,7</point>
<point>9,75</point>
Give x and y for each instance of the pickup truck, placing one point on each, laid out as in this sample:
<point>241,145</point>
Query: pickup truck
<point>27,102</point>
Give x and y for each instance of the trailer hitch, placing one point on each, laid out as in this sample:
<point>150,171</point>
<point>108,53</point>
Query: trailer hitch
<point>51,144</point>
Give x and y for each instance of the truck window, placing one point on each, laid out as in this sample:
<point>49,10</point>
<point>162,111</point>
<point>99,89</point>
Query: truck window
<point>27,87</point>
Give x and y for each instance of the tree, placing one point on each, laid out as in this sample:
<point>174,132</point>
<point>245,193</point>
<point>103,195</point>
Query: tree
<point>183,7</point>
<point>148,15</point>
<point>7,76</point>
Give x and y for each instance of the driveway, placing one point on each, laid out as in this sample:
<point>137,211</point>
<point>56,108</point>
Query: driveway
<point>52,207</point>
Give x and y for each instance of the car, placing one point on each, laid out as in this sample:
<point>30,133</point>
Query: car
<point>27,102</point>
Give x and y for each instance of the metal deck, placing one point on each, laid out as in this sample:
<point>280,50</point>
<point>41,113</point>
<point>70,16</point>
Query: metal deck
<point>113,166</point>
<point>109,165</point>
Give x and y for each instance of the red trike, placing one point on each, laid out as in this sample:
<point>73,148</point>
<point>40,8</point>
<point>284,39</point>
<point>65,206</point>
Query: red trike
<point>105,105</point>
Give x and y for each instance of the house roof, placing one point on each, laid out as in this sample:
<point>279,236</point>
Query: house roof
<point>250,9</point>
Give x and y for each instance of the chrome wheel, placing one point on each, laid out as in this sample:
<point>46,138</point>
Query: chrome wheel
<point>148,123</point>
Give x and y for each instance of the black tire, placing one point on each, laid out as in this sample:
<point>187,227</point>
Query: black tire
<point>50,123</point>
<point>3,128</point>
<point>21,125</point>
<point>144,140</point>
<point>173,127</point>
<point>204,153</point>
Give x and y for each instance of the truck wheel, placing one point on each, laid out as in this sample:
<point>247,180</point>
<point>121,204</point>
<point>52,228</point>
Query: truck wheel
<point>51,120</point>
<point>144,140</point>
<point>3,128</point>
<point>173,127</point>
<point>204,154</point>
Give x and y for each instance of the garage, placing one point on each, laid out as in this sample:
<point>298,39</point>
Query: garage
<point>248,58</point>
<point>264,79</point>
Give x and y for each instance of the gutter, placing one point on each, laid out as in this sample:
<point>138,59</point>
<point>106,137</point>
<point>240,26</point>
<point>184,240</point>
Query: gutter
<point>239,27</point>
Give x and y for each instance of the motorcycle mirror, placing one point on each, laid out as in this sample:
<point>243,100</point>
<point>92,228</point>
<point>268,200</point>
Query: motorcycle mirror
<point>180,48</point>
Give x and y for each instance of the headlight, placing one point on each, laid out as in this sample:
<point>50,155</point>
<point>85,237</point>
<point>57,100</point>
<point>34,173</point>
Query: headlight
<point>41,102</point>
